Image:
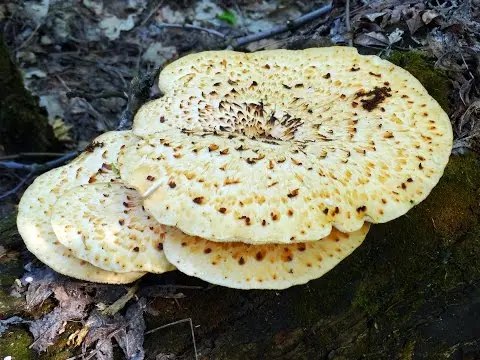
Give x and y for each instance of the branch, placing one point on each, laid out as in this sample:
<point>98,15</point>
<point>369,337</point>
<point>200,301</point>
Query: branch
<point>29,154</point>
<point>16,188</point>
<point>36,168</point>
<point>291,25</point>
<point>191,27</point>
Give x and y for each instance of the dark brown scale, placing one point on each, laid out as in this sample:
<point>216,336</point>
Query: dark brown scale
<point>93,145</point>
<point>198,200</point>
<point>121,222</point>
<point>172,184</point>
<point>136,249</point>
<point>326,76</point>
<point>377,96</point>
<point>222,210</point>
<point>293,193</point>
<point>353,69</point>
<point>241,261</point>
<point>207,251</point>
<point>361,209</point>
<point>150,178</point>
<point>286,86</point>
<point>376,75</point>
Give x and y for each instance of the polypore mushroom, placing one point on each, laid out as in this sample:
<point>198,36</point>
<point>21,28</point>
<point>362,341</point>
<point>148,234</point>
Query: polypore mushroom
<point>106,225</point>
<point>280,146</point>
<point>272,266</point>
<point>35,208</point>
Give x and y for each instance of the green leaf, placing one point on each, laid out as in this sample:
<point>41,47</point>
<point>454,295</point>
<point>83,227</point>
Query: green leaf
<point>228,17</point>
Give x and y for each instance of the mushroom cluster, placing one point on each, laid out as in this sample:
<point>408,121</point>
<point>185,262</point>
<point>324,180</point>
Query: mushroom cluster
<point>259,170</point>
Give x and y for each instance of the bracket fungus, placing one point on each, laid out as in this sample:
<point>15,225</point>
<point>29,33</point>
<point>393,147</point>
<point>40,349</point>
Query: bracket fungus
<point>106,225</point>
<point>38,201</point>
<point>236,172</point>
<point>268,266</point>
<point>282,146</point>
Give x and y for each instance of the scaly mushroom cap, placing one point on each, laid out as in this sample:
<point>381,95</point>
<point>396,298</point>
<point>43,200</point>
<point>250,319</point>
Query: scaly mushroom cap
<point>35,208</point>
<point>279,146</point>
<point>272,266</point>
<point>106,225</point>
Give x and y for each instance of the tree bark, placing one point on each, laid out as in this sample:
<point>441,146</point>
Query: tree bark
<point>24,124</point>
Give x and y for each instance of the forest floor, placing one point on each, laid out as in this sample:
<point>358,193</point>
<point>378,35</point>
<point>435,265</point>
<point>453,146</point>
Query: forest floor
<point>80,57</point>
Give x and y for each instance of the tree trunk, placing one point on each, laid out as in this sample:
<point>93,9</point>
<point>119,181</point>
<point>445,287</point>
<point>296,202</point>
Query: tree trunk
<point>410,291</point>
<point>24,124</point>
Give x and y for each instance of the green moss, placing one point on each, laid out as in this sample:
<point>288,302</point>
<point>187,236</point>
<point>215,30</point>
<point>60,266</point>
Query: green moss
<point>9,305</point>
<point>15,342</point>
<point>9,237</point>
<point>435,81</point>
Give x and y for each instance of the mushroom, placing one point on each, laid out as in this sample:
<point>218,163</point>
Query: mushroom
<point>36,205</point>
<point>281,146</point>
<point>105,224</point>
<point>272,266</point>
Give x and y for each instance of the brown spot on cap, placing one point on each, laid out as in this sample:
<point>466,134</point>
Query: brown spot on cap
<point>198,200</point>
<point>361,209</point>
<point>293,193</point>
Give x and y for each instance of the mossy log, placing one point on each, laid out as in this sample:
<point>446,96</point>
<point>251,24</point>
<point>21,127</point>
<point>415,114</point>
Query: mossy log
<point>24,124</point>
<point>411,291</point>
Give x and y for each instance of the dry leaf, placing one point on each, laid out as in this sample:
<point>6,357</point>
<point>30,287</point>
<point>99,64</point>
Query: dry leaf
<point>372,39</point>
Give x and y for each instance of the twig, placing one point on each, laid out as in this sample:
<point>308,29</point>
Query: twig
<point>191,27</point>
<point>189,320</point>
<point>151,13</point>
<point>120,303</point>
<point>16,188</point>
<point>28,39</point>
<point>347,23</point>
<point>100,95</point>
<point>29,154</point>
<point>290,25</point>
<point>36,168</point>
